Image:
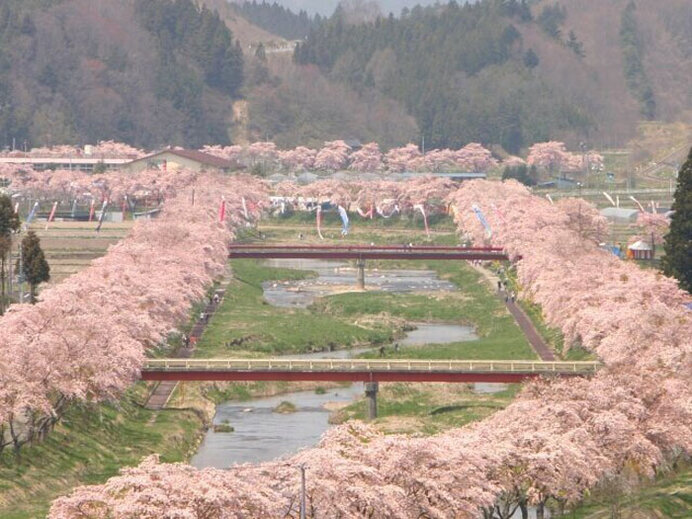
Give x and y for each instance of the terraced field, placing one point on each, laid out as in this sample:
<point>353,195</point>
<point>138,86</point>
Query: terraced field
<point>71,246</point>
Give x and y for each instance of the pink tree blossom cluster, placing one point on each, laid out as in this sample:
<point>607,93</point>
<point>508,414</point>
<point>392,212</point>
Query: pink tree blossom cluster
<point>85,340</point>
<point>333,156</point>
<point>554,157</point>
<point>368,158</point>
<point>103,149</point>
<point>298,159</point>
<point>652,226</point>
<point>232,153</point>
<point>428,191</point>
<point>556,441</point>
<point>337,155</point>
<point>66,186</point>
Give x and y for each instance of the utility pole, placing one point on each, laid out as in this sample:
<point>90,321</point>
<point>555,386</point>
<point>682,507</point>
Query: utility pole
<point>302,491</point>
<point>10,287</point>
<point>20,279</point>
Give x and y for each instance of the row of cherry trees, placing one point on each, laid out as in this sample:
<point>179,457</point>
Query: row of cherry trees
<point>337,155</point>
<point>86,338</point>
<point>556,441</point>
<point>114,186</point>
<point>380,196</point>
<point>103,149</point>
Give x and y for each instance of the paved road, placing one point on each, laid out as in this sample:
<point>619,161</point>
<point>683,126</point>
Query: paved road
<point>537,343</point>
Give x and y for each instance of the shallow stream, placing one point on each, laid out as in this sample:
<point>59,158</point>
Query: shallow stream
<point>261,434</point>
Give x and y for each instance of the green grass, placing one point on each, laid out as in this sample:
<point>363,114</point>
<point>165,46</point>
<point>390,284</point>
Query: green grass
<point>428,408</point>
<point>669,497</point>
<point>436,222</point>
<point>87,447</point>
<point>474,305</point>
<point>261,329</point>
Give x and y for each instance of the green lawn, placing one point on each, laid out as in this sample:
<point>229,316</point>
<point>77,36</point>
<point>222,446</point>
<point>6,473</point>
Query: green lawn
<point>87,447</point>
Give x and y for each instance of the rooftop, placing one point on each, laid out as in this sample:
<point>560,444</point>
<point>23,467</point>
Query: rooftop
<point>197,156</point>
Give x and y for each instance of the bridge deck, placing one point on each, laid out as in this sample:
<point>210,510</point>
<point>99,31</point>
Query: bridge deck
<point>361,370</point>
<point>364,252</point>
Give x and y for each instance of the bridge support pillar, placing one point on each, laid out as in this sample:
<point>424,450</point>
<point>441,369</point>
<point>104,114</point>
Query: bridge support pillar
<point>360,274</point>
<point>371,389</point>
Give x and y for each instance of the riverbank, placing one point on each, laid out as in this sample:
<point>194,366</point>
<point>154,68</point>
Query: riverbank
<point>88,446</point>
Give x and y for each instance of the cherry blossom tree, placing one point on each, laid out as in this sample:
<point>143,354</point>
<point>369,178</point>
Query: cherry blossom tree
<point>333,156</point>
<point>552,156</point>
<point>298,159</point>
<point>367,159</point>
<point>406,158</point>
<point>653,226</point>
<point>474,157</point>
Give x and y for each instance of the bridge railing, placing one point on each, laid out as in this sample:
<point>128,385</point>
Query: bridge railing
<point>379,365</point>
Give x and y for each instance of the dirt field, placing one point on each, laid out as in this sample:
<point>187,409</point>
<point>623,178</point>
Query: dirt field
<point>71,246</point>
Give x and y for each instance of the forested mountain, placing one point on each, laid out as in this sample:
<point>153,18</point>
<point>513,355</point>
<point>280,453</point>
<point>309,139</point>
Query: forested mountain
<point>146,72</point>
<point>327,7</point>
<point>509,72</point>
<point>277,19</point>
<point>515,72</point>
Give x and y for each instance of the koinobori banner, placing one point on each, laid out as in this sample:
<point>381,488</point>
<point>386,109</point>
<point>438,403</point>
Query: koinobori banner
<point>481,218</point>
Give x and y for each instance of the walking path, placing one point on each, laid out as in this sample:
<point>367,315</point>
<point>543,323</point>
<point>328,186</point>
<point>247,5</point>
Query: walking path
<point>164,390</point>
<point>537,343</point>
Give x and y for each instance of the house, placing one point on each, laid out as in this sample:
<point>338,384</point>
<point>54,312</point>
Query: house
<point>174,159</point>
<point>640,250</point>
<point>76,163</point>
<point>620,214</point>
<point>457,176</point>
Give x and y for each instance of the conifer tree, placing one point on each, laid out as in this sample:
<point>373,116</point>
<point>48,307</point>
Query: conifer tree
<point>35,268</point>
<point>677,261</point>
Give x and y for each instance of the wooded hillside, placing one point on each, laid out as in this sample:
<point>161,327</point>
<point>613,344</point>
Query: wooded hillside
<point>515,72</point>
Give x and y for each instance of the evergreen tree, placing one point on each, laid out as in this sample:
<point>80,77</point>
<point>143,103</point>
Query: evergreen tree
<point>35,268</point>
<point>677,261</point>
<point>9,222</point>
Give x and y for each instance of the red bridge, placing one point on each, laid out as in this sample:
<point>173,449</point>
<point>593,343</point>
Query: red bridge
<point>361,370</point>
<point>366,252</point>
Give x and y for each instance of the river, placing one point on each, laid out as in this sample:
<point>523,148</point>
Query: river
<point>261,434</point>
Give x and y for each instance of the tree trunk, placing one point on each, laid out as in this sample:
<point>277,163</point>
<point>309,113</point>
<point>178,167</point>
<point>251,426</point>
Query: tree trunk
<point>32,293</point>
<point>524,509</point>
<point>540,510</point>
<point>2,284</point>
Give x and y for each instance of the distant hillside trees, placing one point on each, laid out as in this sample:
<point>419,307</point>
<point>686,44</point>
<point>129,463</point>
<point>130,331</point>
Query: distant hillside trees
<point>278,19</point>
<point>461,70</point>
<point>632,55</point>
<point>148,72</point>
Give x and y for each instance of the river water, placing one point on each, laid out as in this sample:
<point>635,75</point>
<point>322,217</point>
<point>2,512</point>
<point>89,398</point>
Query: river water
<point>261,434</point>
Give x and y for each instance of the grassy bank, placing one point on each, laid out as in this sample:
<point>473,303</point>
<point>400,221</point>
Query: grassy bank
<point>246,324</point>
<point>473,304</point>
<point>89,446</point>
<point>427,408</point>
<point>670,496</point>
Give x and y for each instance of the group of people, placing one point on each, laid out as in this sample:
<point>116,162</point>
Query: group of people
<point>510,295</point>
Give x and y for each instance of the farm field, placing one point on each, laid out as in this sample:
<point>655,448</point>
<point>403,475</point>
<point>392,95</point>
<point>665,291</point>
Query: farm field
<point>71,246</point>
